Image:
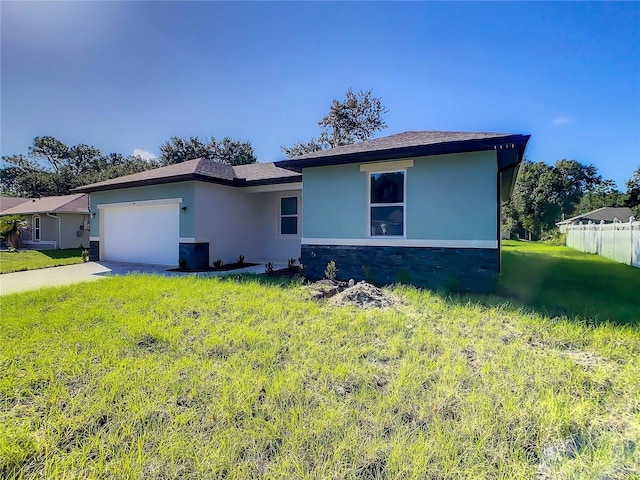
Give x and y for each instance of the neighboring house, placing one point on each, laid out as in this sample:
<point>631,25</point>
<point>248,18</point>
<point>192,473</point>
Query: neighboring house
<point>192,213</point>
<point>417,207</point>
<point>605,214</point>
<point>10,202</point>
<point>55,222</point>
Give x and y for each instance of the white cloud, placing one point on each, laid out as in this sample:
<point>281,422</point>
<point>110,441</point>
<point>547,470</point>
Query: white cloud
<point>561,120</point>
<point>144,154</point>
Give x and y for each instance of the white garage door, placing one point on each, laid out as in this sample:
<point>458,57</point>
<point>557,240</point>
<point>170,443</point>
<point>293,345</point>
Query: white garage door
<point>141,234</point>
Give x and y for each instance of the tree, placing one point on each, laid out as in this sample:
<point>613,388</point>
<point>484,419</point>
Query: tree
<point>22,177</point>
<point>301,148</point>
<point>602,195</point>
<point>10,227</point>
<point>231,152</point>
<point>353,120</point>
<point>531,209</point>
<point>544,194</point>
<point>633,193</point>
<point>572,180</point>
<point>179,150</point>
<point>234,152</point>
<point>53,168</point>
<point>49,149</point>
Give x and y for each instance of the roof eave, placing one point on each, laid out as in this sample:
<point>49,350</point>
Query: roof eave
<point>236,182</point>
<point>145,183</point>
<point>45,212</point>
<point>273,181</point>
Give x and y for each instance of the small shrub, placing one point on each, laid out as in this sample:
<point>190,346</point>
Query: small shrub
<point>268,268</point>
<point>301,268</point>
<point>291,263</point>
<point>218,263</point>
<point>331,271</point>
<point>85,255</point>
<point>240,259</point>
<point>556,238</point>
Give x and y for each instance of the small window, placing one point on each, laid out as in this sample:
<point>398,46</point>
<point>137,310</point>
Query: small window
<point>289,216</point>
<point>386,204</point>
<point>36,228</point>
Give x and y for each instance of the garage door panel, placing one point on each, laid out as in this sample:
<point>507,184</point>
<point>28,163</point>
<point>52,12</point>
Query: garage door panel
<point>141,234</point>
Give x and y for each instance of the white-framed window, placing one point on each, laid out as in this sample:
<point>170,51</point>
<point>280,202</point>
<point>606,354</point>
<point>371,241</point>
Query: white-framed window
<point>36,228</point>
<point>387,202</point>
<point>288,215</point>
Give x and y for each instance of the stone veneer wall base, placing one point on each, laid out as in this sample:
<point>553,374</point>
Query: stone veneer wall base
<point>94,251</point>
<point>194,256</point>
<point>451,269</point>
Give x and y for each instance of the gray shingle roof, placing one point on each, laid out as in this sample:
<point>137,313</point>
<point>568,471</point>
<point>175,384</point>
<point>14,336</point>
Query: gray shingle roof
<point>404,145</point>
<point>200,169</point>
<point>78,203</point>
<point>402,140</point>
<point>10,202</point>
<point>608,214</point>
<point>262,171</point>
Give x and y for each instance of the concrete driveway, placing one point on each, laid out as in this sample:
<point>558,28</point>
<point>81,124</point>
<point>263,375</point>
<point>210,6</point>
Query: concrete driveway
<point>91,271</point>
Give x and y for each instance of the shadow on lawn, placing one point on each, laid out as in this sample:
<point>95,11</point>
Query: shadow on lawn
<point>64,253</point>
<point>589,287</point>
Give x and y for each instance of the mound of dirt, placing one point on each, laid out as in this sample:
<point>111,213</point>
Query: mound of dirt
<point>364,295</point>
<point>326,288</point>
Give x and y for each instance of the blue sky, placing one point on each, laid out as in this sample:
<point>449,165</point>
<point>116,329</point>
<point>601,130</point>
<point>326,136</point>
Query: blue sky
<point>129,75</point>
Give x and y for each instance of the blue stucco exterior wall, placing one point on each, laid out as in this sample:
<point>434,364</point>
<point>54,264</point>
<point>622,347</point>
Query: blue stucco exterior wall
<point>450,269</point>
<point>448,197</point>
<point>334,202</point>
<point>184,190</point>
<point>453,197</point>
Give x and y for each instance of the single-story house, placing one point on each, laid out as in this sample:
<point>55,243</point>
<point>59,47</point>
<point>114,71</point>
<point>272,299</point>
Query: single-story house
<point>55,222</point>
<point>605,214</point>
<point>416,207</point>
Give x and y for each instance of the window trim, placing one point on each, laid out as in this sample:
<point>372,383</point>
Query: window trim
<point>37,231</point>
<point>370,205</point>
<point>281,216</point>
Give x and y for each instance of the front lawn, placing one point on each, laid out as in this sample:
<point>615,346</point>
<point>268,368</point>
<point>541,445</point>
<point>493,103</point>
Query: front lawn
<point>151,377</point>
<point>17,261</point>
<point>560,280</point>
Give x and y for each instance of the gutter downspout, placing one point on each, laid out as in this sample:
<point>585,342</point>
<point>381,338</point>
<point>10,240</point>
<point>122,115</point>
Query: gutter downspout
<point>59,221</point>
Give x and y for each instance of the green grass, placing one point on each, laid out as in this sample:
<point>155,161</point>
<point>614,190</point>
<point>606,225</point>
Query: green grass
<point>17,261</point>
<point>149,377</point>
<point>559,280</point>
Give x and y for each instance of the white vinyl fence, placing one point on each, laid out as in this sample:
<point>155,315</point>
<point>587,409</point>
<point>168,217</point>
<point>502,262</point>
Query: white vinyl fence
<point>617,241</point>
